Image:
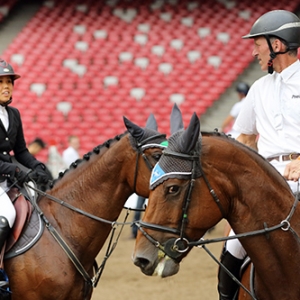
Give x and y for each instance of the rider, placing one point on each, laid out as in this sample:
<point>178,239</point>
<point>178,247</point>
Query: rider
<point>12,139</point>
<point>269,120</point>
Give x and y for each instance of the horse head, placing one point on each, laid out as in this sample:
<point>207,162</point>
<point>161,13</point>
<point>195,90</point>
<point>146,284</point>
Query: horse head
<point>165,221</point>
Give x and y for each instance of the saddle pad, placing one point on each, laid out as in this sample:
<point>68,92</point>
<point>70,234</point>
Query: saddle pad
<point>24,210</point>
<point>31,234</point>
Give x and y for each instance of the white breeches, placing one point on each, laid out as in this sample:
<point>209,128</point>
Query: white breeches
<point>234,246</point>
<point>7,209</point>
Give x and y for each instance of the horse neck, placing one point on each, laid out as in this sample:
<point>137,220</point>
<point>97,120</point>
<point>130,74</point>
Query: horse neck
<point>98,186</point>
<point>244,181</point>
<point>275,256</point>
<point>255,196</point>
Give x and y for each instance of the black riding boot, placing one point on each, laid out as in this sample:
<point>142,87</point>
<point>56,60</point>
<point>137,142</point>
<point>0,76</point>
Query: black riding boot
<point>227,288</point>
<point>4,230</point>
<point>4,285</point>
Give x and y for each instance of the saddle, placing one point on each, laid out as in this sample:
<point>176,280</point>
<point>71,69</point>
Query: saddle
<point>23,213</point>
<point>28,226</point>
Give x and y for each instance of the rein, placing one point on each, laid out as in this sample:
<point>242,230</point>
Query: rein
<point>175,247</point>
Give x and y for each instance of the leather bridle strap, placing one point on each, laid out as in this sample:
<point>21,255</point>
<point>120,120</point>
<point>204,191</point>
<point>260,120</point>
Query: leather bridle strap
<point>141,224</point>
<point>213,194</point>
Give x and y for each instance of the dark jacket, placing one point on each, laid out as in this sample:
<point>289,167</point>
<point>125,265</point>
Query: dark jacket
<point>13,140</point>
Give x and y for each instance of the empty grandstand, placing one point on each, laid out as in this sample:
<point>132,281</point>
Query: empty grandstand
<point>85,64</point>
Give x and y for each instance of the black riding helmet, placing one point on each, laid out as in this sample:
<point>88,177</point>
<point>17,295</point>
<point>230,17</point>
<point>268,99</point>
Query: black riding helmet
<point>7,70</point>
<point>281,24</point>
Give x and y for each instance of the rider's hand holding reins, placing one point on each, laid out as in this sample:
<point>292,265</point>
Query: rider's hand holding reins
<point>21,176</point>
<point>39,175</point>
<point>292,170</point>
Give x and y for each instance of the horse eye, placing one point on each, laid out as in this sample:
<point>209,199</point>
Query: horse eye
<point>173,189</point>
<point>156,156</point>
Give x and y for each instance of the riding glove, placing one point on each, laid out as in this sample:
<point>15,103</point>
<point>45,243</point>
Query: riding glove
<point>21,176</point>
<point>39,175</point>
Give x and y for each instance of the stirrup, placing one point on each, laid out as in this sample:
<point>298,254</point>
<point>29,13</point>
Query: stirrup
<point>5,292</point>
<point>4,284</point>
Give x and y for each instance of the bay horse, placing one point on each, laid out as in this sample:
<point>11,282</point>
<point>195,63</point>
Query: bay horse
<point>97,186</point>
<point>203,178</point>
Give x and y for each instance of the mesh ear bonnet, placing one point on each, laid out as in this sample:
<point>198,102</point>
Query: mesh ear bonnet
<point>175,167</point>
<point>160,141</point>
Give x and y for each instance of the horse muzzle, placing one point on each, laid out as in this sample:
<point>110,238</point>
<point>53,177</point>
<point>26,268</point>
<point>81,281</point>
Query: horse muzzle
<point>162,261</point>
<point>156,263</point>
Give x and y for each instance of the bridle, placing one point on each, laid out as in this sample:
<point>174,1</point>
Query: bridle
<point>175,247</point>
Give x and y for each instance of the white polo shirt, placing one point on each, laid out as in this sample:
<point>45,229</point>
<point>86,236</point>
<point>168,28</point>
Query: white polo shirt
<point>272,110</point>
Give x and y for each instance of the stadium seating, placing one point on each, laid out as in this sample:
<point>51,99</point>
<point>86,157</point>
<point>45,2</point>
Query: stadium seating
<point>111,58</point>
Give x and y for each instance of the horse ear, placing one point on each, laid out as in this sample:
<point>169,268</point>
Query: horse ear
<point>136,131</point>
<point>190,136</point>
<point>176,119</point>
<point>151,123</point>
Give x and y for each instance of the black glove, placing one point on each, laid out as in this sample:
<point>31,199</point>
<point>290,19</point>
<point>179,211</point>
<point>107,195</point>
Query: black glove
<point>21,176</point>
<point>40,175</point>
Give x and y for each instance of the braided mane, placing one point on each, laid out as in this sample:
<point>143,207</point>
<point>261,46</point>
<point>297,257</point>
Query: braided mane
<point>87,156</point>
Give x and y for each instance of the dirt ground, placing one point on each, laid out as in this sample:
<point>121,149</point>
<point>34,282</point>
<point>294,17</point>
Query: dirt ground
<point>196,280</point>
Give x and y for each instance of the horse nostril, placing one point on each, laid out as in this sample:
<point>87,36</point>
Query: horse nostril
<point>141,262</point>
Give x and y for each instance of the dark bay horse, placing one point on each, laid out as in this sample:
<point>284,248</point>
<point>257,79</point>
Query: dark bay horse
<point>99,184</point>
<point>202,178</point>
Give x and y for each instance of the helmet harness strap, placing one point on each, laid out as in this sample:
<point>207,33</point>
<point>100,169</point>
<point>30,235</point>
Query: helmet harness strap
<point>6,103</point>
<point>273,54</point>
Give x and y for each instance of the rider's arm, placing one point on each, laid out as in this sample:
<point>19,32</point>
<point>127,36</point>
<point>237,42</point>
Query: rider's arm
<point>248,139</point>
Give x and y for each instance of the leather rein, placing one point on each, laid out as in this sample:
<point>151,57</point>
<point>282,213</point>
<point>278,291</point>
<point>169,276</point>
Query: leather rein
<point>174,247</point>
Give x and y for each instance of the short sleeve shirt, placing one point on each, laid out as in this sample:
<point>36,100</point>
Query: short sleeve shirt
<point>272,111</point>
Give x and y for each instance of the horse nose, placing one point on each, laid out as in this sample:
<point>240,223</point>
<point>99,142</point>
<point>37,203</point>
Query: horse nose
<point>141,262</point>
<point>144,264</point>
